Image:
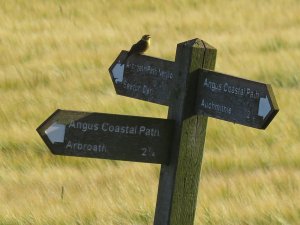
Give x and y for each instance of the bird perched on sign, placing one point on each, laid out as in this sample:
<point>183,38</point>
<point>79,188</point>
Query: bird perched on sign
<point>139,48</point>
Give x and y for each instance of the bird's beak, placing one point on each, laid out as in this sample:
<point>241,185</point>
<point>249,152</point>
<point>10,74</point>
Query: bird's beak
<point>147,36</point>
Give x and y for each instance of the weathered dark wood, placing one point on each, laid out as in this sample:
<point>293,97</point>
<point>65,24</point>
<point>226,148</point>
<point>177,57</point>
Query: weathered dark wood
<point>235,99</point>
<point>108,136</point>
<point>178,185</point>
<point>143,77</point>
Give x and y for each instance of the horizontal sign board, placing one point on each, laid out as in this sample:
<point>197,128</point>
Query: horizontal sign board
<point>108,136</point>
<point>235,99</point>
<point>143,77</point>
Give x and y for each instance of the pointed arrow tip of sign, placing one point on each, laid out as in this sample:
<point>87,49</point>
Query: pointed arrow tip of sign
<point>264,107</point>
<point>118,72</point>
<point>56,133</point>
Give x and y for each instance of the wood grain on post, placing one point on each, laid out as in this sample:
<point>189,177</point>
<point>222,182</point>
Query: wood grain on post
<point>178,185</point>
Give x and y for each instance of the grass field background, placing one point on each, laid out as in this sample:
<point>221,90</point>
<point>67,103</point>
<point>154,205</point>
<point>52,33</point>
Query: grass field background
<point>56,54</point>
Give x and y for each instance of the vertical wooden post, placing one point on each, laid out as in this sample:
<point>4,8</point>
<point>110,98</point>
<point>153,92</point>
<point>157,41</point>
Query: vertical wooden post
<point>178,184</point>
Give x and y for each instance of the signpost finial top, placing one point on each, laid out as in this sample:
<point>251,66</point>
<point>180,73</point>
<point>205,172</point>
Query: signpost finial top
<point>193,43</point>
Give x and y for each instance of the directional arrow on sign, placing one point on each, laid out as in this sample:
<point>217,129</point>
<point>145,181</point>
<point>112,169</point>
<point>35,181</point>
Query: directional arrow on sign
<point>264,107</point>
<point>235,99</point>
<point>143,77</point>
<point>108,136</point>
<point>56,133</point>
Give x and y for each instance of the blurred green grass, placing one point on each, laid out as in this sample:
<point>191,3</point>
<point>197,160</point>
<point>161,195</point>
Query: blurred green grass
<point>56,54</point>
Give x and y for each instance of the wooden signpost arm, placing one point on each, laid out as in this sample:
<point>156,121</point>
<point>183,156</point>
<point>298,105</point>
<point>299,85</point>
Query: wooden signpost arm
<point>178,185</point>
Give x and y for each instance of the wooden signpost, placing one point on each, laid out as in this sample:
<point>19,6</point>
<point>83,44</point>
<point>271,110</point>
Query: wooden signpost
<point>193,91</point>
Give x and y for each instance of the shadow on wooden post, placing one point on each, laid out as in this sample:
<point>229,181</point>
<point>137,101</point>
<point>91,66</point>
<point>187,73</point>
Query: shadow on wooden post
<point>178,185</point>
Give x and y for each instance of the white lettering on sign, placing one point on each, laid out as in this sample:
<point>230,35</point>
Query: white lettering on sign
<point>134,130</point>
<point>231,89</point>
<point>149,131</point>
<point>252,93</point>
<point>140,130</point>
<point>146,90</point>
<point>216,107</point>
<point>213,86</point>
<point>106,127</point>
<point>148,70</point>
<point>84,126</point>
<point>147,152</point>
<point>234,90</point>
<point>132,87</point>
<point>99,148</point>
